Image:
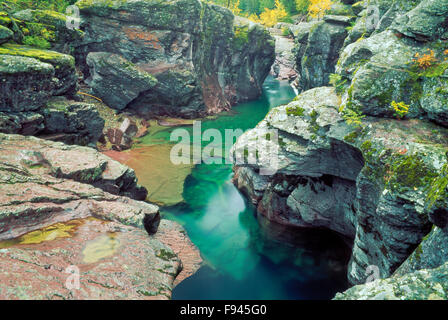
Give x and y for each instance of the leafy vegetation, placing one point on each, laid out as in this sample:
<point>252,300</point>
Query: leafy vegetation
<point>338,83</point>
<point>426,60</point>
<point>270,12</point>
<point>353,117</point>
<point>55,5</point>
<point>318,8</point>
<point>400,108</point>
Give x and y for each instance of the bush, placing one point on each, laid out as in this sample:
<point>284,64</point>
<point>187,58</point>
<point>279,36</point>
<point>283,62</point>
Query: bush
<point>302,6</point>
<point>55,5</point>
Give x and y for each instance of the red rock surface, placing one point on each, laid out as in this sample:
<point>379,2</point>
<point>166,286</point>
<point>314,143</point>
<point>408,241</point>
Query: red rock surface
<point>137,266</point>
<point>48,186</point>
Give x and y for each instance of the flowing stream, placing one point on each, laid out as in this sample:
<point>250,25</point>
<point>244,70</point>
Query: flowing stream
<point>243,258</point>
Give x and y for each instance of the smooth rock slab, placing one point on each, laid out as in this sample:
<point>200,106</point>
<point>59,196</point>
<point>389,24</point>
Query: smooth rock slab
<point>114,262</point>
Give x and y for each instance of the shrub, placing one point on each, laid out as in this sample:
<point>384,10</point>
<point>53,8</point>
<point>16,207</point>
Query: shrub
<point>426,60</point>
<point>401,109</point>
<point>318,8</point>
<point>302,6</point>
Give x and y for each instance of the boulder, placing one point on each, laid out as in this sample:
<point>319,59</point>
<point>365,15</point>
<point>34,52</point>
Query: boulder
<point>26,83</point>
<point>80,122</point>
<point>373,18</point>
<point>383,68</point>
<point>26,123</point>
<point>427,21</point>
<point>121,138</point>
<point>5,34</point>
<point>64,66</point>
<point>115,80</point>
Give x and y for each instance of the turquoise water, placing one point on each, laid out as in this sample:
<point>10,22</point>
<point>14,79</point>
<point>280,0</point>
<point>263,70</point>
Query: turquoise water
<point>242,259</point>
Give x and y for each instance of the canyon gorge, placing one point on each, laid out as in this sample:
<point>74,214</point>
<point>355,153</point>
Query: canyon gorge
<point>360,107</point>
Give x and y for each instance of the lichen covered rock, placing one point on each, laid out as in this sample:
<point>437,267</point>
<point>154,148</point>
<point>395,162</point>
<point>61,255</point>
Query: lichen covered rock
<point>382,172</point>
<point>79,123</point>
<point>64,65</point>
<point>26,83</point>
<point>5,34</point>
<point>428,284</point>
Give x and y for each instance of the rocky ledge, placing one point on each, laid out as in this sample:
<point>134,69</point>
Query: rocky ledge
<point>370,184</point>
<point>70,207</point>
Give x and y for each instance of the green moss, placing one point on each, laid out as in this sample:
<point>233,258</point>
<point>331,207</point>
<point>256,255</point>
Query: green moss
<point>53,57</point>
<point>408,172</point>
<point>295,111</point>
<point>435,70</point>
<point>241,36</point>
<point>165,255</point>
<point>352,136</point>
<point>366,146</point>
<point>437,189</point>
<point>38,42</point>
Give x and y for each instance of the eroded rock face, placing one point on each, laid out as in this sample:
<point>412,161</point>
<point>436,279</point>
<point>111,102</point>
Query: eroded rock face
<point>203,58</point>
<point>55,214</point>
<point>370,184</point>
<point>317,50</point>
<point>117,80</point>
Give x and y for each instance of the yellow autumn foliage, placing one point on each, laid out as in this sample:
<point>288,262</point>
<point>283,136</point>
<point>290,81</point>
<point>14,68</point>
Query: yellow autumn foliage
<point>270,17</point>
<point>318,8</point>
